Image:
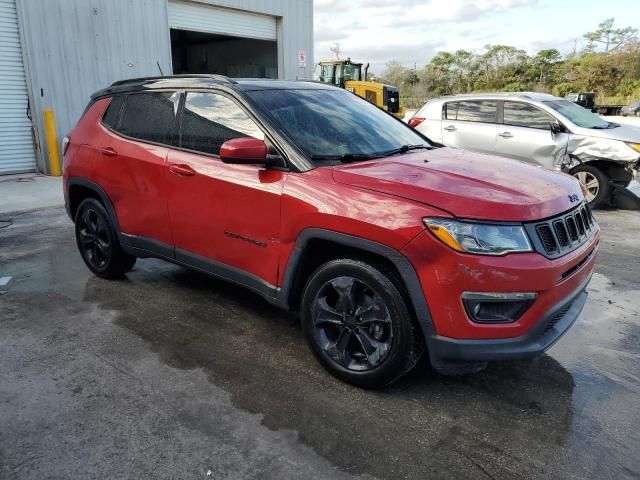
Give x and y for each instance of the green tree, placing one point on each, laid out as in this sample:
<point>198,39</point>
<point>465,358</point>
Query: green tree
<point>609,66</point>
<point>394,73</point>
<point>544,63</point>
<point>440,69</point>
<point>608,37</point>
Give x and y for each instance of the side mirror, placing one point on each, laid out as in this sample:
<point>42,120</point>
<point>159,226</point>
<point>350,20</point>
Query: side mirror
<point>246,151</point>
<point>556,127</point>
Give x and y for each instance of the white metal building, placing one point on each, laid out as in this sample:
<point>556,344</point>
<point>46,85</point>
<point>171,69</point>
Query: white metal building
<point>55,53</point>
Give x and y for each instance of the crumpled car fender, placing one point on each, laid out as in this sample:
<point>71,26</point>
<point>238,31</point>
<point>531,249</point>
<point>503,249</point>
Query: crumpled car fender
<point>583,149</point>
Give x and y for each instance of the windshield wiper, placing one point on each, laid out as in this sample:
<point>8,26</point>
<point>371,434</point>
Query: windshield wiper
<point>404,148</point>
<point>607,126</point>
<point>357,157</point>
<point>345,157</point>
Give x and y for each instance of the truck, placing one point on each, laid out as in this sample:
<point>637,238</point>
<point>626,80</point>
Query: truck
<point>588,101</point>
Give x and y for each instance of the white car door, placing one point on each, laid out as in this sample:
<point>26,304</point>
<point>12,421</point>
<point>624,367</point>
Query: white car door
<point>526,135</point>
<point>470,125</point>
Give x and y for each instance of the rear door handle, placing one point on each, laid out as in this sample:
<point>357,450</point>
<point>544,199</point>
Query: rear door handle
<point>108,152</point>
<point>450,128</point>
<point>182,170</point>
<point>505,134</point>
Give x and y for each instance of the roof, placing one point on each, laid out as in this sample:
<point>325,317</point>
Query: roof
<point>204,81</point>
<point>503,95</point>
<point>267,84</point>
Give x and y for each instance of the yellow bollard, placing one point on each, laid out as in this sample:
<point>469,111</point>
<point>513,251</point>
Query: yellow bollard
<point>52,142</point>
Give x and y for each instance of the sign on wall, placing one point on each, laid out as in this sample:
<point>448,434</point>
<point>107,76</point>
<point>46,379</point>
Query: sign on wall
<point>302,58</point>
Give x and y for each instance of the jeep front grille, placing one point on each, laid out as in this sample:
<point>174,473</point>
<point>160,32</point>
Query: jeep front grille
<point>564,233</point>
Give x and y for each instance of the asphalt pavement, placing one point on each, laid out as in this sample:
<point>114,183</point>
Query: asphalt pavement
<point>172,374</point>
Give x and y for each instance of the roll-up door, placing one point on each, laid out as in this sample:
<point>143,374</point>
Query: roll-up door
<point>222,21</point>
<point>16,142</point>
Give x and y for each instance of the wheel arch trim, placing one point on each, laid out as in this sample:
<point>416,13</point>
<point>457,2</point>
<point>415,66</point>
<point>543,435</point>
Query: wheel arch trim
<point>97,189</point>
<point>401,262</point>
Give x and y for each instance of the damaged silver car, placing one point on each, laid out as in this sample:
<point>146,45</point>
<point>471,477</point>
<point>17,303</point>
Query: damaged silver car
<point>538,128</point>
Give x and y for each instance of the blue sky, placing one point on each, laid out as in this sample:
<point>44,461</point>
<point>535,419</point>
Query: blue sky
<point>413,30</point>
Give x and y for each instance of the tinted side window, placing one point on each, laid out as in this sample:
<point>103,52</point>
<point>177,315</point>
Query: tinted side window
<point>150,116</point>
<point>112,114</point>
<point>472,111</point>
<point>210,119</point>
<point>523,115</point>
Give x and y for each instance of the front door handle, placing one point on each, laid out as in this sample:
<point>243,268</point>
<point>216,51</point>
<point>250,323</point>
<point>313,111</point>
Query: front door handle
<point>450,128</point>
<point>182,170</point>
<point>505,134</point>
<point>108,152</point>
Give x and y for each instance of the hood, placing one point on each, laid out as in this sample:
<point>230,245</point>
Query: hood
<point>625,133</point>
<point>466,184</point>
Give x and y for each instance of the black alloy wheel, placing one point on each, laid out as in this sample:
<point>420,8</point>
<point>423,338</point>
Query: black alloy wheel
<point>98,242</point>
<point>358,323</point>
<point>93,237</point>
<point>352,324</point>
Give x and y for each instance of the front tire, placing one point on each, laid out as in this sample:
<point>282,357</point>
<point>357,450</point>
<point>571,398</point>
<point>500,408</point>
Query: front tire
<point>98,243</point>
<point>596,182</point>
<point>358,325</point>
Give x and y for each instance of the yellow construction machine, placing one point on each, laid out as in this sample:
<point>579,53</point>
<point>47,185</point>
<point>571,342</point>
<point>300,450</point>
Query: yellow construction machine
<point>347,74</point>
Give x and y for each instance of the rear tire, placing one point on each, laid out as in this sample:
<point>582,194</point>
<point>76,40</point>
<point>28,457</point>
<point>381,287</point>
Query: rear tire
<point>98,243</point>
<point>358,325</point>
<point>596,182</point>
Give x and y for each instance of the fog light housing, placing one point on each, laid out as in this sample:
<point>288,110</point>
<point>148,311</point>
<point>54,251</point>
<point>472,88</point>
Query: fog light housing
<point>492,307</point>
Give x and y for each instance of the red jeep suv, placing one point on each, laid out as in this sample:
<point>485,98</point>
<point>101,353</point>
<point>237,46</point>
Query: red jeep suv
<point>326,205</point>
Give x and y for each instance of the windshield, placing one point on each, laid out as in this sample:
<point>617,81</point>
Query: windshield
<point>332,124</point>
<point>351,72</point>
<point>326,74</point>
<point>577,114</point>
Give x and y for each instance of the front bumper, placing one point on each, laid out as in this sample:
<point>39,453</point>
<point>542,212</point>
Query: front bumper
<point>542,336</point>
<point>453,337</point>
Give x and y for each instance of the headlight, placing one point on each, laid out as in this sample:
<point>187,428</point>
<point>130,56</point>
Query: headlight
<point>635,146</point>
<point>480,238</point>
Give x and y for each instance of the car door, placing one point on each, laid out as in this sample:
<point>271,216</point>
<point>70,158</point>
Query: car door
<point>470,125</point>
<point>526,135</point>
<point>227,216</point>
<point>138,128</point>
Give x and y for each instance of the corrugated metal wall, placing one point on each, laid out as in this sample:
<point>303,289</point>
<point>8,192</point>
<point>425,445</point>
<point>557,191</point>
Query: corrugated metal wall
<point>75,47</point>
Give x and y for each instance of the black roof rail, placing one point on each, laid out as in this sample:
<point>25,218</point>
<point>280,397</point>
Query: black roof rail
<point>212,76</point>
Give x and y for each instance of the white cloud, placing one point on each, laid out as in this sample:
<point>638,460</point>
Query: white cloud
<point>405,30</point>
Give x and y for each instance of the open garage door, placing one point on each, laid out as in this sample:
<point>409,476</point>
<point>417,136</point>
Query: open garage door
<point>206,39</point>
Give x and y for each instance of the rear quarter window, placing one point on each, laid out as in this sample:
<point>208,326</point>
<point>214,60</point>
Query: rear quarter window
<point>150,117</point>
<point>112,114</point>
